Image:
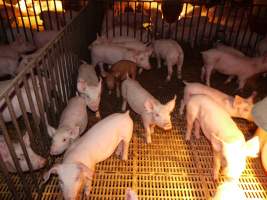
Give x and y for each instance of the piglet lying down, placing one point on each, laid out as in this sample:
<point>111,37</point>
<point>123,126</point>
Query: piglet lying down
<point>97,144</point>
<point>228,142</point>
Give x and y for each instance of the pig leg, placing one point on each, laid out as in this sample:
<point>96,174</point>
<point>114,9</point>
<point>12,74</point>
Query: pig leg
<point>241,83</point>
<point>208,73</point>
<point>190,118</point>
<point>158,61</point>
<point>125,148</point>
<point>197,129</point>
<point>119,149</point>
<point>124,104</point>
<point>102,71</point>
<point>216,164</point>
<point>97,114</point>
<point>181,110</point>
<point>170,70</point>
<point>152,128</point>
<point>229,79</point>
<point>147,130</point>
<point>140,70</point>
<point>203,71</point>
<point>179,70</point>
<point>118,89</point>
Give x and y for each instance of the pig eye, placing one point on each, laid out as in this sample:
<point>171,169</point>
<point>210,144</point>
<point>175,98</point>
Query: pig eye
<point>64,139</point>
<point>157,115</point>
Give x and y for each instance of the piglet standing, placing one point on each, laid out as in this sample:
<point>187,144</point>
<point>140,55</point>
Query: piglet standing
<point>227,140</point>
<point>97,144</point>
<point>172,53</point>
<point>37,161</point>
<point>143,103</point>
<point>231,64</point>
<point>118,73</point>
<point>73,122</point>
<point>89,87</point>
<point>235,106</point>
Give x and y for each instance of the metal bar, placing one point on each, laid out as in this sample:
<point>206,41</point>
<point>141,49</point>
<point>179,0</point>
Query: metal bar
<point>8,180</point>
<point>41,9</point>
<point>135,19</point>
<point>4,30</point>
<point>212,23</point>
<point>142,21</point>
<point>149,32</point>
<point>205,24</point>
<point>239,27</point>
<point>120,13</point>
<point>35,16</point>
<point>184,21</point>
<point>113,20</point>
<point>23,24</point>
<point>218,26</point>
<point>156,22</point>
<point>198,21</point>
<point>56,13</point>
<point>49,16</point>
<point>191,21</point>
<point>28,15</point>
<point>13,155</point>
<point>233,24</point>
<point>8,20</point>
<point>14,14</point>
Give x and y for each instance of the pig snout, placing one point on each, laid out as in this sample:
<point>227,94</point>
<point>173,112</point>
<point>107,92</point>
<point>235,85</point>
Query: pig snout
<point>167,126</point>
<point>39,163</point>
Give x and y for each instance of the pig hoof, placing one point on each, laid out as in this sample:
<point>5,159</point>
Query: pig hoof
<point>109,92</point>
<point>187,138</point>
<point>97,114</point>
<point>148,141</point>
<point>168,78</point>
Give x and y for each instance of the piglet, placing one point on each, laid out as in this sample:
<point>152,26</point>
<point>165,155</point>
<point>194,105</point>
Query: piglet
<point>151,110</point>
<point>230,64</point>
<point>226,139</point>
<point>112,53</point>
<point>73,122</point>
<point>229,190</point>
<point>172,53</point>
<point>131,195</point>
<point>89,87</point>
<point>42,38</point>
<point>235,106</point>
<point>37,161</point>
<point>16,48</point>
<point>8,66</point>
<point>118,73</point>
<point>96,145</point>
<point>262,47</point>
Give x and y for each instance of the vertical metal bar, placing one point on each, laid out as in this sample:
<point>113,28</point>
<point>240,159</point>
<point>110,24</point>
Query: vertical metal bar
<point>107,20</point>
<point>4,30</point>
<point>212,23</point>
<point>198,21</point>
<point>14,156</point>
<point>14,14</point>
<point>41,9</point>
<point>205,24</point>
<point>56,13</point>
<point>127,19</point>
<point>35,16</point>
<point>7,179</point>
<point>184,21</point>
<point>191,21</point>
<point>233,24</point>
<point>142,21</point>
<point>113,18</point>
<point>8,20</point>
<point>49,16</point>
<point>149,16</point>
<point>13,116</point>
<point>239,27</point>
<point>135,19</point>
<point>218,26</point>
<point>23,24</point>
<point>28,15</point>
<point>156,22</point>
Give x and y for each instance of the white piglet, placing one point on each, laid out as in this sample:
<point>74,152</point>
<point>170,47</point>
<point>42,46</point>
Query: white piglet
<point>8,66</point>
<point>37,161</point>
<point>112,53</point>
<point>151,110</point>
<point>89,87</point>
<point>235,106</point>
<point>231,64</point>
<point>172,53</point>
<point>97,144</point>
<point>73,122</point>
<point>228,142</point>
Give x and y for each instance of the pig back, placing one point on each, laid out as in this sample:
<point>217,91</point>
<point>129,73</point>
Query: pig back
<point>136,95</point>
<point>124,67</point>
<point>75,114</point>
<point>100,141</point>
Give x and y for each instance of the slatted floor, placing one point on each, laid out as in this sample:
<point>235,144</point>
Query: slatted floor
<point>169,168</point>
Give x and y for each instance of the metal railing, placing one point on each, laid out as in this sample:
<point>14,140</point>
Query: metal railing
<point>42,89</point>
<point>199,23</point>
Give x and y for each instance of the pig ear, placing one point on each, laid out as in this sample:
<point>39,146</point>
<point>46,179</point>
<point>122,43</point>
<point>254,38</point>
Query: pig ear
<point>252,96</point>
<point>81,85</point>
<point>51,130</point>
<point>149,105</point>
<point>26,139</point>
<point>53,170</point>
<point>74,132</point>
<point>86,172</point>
<point>237,101</point>
<point>171,104</point>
